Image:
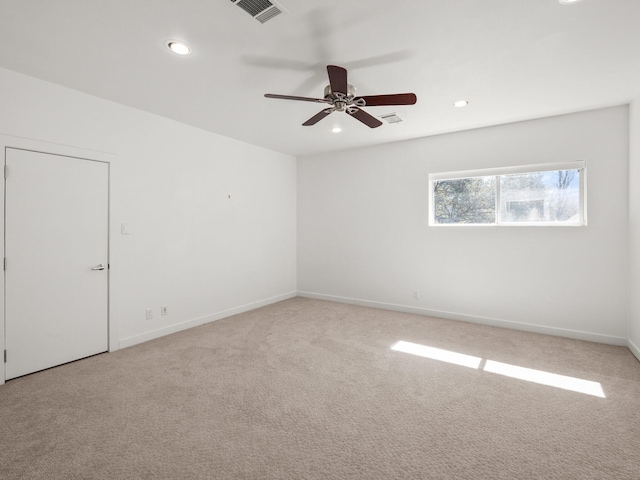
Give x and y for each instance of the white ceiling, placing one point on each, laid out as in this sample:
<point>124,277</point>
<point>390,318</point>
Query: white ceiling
<point>512,59</point>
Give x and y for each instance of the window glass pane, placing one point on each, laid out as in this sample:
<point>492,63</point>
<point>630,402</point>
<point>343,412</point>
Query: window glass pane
<point>465,200</point>
<point>540,197</point>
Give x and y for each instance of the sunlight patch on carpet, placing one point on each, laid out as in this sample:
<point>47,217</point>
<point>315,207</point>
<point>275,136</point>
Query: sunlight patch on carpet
<point>513,371</point>
<point>437,354</point>
<point>545,378</point>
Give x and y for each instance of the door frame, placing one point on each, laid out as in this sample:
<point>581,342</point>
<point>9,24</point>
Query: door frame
<point>8,141</point>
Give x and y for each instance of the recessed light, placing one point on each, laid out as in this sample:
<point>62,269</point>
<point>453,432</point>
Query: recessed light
<point>568,2</point>
<point>461,103</point>
<point>336,129</point>
<point>179,47</point>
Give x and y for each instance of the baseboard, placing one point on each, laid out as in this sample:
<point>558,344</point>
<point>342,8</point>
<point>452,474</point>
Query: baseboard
<point>634,349</point>
<point>161,332</point>
<point>494,322</point>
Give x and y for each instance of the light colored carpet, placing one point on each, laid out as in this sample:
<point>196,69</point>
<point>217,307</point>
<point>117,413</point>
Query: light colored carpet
<point>307,389</point>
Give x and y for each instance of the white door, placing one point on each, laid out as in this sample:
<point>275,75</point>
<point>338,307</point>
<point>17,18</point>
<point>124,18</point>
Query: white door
<point>56,229</point>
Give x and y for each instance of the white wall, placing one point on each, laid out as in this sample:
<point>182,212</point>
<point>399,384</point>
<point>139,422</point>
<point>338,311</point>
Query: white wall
<point>634,225</point>
<point>191,247</point>
<point>363,233</point>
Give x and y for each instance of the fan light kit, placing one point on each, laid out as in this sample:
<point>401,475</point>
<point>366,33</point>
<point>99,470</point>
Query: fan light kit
<point>179,48</point>
<point>461,103</point>
<point>568,2</point>
<point>336,129</point>
<point>341,97</point>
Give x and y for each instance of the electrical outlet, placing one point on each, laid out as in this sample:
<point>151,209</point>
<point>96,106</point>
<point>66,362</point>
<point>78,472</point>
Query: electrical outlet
<point>416,295</point>
<point>164,310</point>
<point>149,313</point>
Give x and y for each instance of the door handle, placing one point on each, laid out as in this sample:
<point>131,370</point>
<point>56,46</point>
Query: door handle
<point>99,267</point>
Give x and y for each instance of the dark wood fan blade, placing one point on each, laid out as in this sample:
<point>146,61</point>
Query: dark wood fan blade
<point>393,99</point>
<point>291,97</point>
<point>317,117</point>
<point>364,117</point>
<point>337,79</point>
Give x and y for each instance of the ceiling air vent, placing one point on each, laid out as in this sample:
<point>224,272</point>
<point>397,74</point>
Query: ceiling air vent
<point>391,118</point>
<point>261,10</point>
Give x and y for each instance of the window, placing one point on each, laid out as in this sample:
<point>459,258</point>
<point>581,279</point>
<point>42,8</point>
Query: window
<point>551,194</point>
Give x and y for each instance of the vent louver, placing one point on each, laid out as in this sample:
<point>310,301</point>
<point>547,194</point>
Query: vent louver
<point>391,118</point>
<point>261,10</point>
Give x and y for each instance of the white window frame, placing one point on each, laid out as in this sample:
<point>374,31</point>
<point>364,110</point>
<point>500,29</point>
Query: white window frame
<point>580,165</point>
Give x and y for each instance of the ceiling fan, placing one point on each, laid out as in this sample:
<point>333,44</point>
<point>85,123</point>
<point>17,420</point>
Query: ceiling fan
<point>341,96</point>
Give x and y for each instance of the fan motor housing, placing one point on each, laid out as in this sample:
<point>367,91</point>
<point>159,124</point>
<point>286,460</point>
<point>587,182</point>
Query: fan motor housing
<point>328,93</point>
<point>339,101</point>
